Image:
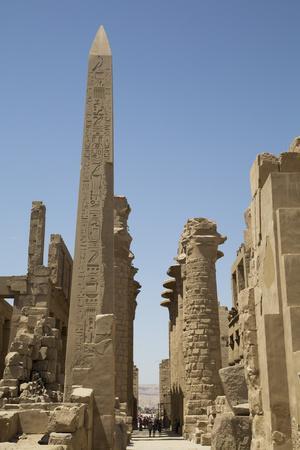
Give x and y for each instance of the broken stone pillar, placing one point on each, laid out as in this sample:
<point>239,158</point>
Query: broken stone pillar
<point>201,330</point>
<point>90,360</point>
<point>36,236</point>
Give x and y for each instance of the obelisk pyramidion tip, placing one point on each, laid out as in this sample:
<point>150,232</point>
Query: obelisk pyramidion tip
<point>100,44</point>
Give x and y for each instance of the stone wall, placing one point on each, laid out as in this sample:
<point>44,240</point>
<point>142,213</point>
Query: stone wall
<point>40,317</point>
<point>266,294</point>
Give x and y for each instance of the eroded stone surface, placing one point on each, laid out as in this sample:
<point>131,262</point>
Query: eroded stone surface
<point>234,384</point>
<point>231,433</point>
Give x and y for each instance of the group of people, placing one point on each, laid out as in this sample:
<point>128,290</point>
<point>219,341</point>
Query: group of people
<point>151,425</point>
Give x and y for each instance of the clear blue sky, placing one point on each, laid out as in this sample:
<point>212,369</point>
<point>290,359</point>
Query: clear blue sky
<point>200,87</point>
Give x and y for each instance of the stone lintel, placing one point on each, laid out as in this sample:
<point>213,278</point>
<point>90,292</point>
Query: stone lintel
<point>13,285</point>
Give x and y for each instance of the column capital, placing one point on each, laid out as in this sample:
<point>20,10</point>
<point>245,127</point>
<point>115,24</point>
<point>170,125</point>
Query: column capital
<point>200,232</point>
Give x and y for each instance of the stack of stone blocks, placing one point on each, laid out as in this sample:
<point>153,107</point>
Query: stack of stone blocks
<point>40,312</point>
<point>59,425</point>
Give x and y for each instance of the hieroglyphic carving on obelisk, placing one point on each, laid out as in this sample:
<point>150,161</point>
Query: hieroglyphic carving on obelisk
<point>92,281</point>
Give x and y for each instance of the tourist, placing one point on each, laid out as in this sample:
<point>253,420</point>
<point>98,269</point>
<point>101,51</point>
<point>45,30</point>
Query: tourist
<point>177,426</point>
<point>150,427</point>
<point>154,428</point>
<point>140,423</point>
<point>159,426</point>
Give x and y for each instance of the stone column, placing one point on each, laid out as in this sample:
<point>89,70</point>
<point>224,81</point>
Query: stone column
<point>90,347</point>
<point>122,261</point>
<point>165,391</point>
<point>36,236</point>
<point>134,291</point>
<point>201,332</point>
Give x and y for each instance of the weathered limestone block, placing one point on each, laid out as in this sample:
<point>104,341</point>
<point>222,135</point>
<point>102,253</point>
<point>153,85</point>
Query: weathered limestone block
<point>86,396</point>
<point>289,162</point>
<point>16,372</point>
<point>61,439</point>
<point>9,425</point>
<point>13,359</point>
<point>67,419</point>
<point>29,443</point>
<point>26,338</point>
<point>33,421</point>
<point>21,347</point>
<point>231,432</point>
<point>234,384</point>
<point>82,395</point>
<point>264,164</point>
<point>121,433</point>
<point>9,383</point>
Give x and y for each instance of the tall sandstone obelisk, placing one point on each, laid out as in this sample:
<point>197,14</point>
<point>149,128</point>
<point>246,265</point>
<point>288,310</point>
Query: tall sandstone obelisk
<point>90,347</point>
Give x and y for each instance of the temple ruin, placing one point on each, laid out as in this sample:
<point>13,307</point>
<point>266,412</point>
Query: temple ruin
<point>256,404</point>
<point>66,355</point>
<point>263,327</point>
<point>231,379</point>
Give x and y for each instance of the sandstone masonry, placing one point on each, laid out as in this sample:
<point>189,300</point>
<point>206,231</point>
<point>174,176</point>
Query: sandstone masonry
<point>195,345</point>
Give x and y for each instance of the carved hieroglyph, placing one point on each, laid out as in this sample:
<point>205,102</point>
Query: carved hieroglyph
<point>92,283</point>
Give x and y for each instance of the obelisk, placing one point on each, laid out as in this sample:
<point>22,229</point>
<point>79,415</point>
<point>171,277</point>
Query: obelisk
<point>91,324</point>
